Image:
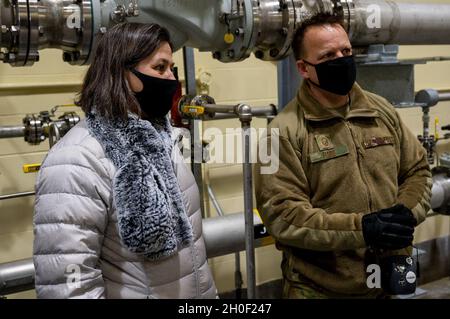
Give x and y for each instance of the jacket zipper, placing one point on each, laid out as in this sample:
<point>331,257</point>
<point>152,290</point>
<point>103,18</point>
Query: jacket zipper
<point>360,155</point>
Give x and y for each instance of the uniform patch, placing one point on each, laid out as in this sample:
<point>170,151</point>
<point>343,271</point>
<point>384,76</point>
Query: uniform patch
<point>324,142</point>
<point>328,154</point>
<point>378,141</point>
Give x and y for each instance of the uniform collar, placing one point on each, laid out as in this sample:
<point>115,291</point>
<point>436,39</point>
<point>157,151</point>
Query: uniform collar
<point>359,106</point>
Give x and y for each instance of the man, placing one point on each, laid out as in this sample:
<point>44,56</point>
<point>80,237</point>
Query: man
<point>353,181</point>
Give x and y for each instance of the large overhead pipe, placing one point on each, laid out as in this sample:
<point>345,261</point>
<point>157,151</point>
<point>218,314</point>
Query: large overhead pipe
<point>231,29</point>
<point>391,22</point>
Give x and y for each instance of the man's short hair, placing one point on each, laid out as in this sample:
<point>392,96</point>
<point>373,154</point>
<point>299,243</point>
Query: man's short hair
<point>317,20</point>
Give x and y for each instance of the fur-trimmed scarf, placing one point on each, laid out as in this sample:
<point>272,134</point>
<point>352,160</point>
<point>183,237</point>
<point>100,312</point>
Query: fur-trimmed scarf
<point>151,216</point>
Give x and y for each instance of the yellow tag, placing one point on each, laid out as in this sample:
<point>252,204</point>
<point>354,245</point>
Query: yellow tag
<point>193,110</point>
<point>31,168</point>
<point>228,38</point>
<point>436,128</point>
<point>265,241</point>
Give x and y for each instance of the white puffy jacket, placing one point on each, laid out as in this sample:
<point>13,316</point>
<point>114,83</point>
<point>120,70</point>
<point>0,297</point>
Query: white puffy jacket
<point>77,249</point>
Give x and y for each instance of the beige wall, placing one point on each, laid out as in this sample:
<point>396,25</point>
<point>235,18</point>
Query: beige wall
<point>51,82</point>
<point>27,90</point>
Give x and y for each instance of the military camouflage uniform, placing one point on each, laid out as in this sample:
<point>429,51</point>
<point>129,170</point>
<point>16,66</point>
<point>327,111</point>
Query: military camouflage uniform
<point>334,167</point>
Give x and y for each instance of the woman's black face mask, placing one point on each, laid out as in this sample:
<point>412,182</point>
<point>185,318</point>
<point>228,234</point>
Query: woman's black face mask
<point>336,76</point>
<point>156,97</point>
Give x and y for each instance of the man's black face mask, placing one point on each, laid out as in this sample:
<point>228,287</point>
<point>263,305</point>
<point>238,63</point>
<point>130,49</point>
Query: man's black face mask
<point>336,76</point>
<point>157,95</point>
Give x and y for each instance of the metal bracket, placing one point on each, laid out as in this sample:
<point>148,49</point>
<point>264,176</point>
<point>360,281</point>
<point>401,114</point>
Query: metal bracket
<point>123,11</point>
<point>377,54</point>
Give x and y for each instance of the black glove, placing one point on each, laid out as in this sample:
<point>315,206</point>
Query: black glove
<point>390,228</point>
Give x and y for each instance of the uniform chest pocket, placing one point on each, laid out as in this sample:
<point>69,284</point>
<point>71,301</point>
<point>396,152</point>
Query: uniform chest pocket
<point>378,141</point>
<point>380,154</point>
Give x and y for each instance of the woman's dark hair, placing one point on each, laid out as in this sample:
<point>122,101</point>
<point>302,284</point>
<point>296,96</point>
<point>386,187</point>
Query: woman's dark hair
<point>121,48</point>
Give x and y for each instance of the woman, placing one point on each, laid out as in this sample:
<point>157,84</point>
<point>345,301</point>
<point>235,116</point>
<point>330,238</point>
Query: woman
<point>117,212</point>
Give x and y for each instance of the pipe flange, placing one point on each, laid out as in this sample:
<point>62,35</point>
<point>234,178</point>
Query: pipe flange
<point>202,100</point>
<point>185,100</point>
<point>28,25</point>
<point>288,30</point>
<point>243,29</point>
<point>85,35</point>
<point>347,11</point>
<point>274,41</point>
<point>34,129</point>
<point>69,119</point>
<point>188,103</point>
<point>20,32</point>
<point>33,40</point>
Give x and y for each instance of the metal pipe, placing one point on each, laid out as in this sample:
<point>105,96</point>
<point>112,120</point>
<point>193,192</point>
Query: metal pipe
<point>220,116</point>
<point>225,235</point>
<point>16,276</point>
<point>220,108</point>
<point>231,110</point>
<point>69,85</point>
<point>194,126</point>
<point>444,97</point>
<point>238,281</point>
<point>440,199</point>
<point>216,204</point>
<point>231,29</point>
<point>245,116</point>
<point>237,256</point>
<point>390,22</point>
<point>431,97</point>
<point>12,131</point>
<point>18,195</point>
<point>229,116</point>
<point>426,122</point>
<point>264,110</point>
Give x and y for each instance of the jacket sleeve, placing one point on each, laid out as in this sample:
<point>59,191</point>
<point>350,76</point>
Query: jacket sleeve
<point>283,200</point>
<point>414,179</point>
<point>72,199</point>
